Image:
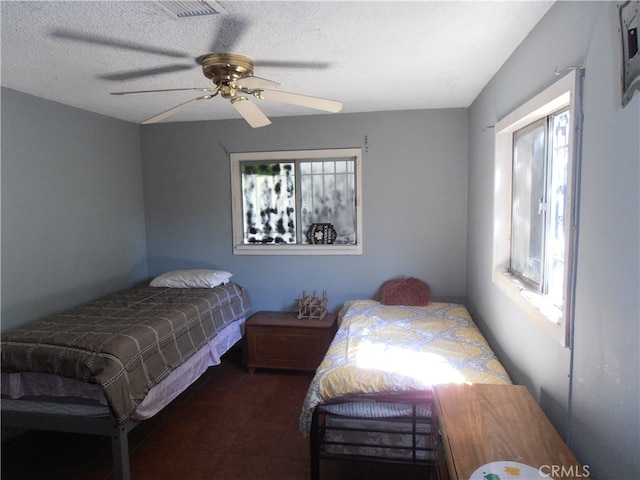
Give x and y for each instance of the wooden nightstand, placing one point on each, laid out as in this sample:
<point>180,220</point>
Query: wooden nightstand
<point>281,340</point>
<point>474,425</point>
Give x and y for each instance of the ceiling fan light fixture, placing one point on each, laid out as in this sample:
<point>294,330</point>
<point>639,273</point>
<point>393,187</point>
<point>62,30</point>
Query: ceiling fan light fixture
<point>191,8</point>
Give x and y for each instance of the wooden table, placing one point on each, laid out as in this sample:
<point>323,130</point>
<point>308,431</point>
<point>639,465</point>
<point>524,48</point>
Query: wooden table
<point>478,424</point>
<point>281,340</point>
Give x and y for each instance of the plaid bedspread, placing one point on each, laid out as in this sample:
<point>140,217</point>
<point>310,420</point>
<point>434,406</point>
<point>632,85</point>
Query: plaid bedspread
<point>126,342</point>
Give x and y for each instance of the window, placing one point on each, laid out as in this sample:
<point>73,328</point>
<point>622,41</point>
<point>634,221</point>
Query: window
<point>297,202</point>
<point>535,221</point>
<point>540,154</point>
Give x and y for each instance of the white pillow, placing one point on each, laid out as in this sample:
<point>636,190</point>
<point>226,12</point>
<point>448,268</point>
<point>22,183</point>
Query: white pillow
<point>191,279</point>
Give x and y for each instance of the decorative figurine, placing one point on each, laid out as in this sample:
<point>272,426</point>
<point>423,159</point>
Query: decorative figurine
<point>310,306</point>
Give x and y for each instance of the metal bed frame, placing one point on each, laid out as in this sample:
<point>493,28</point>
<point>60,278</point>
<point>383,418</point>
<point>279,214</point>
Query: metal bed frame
<point>416,455</point>
<point>73,418</point>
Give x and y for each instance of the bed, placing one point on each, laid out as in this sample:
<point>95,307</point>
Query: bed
<point>103,367</point>
<point>371,398</point>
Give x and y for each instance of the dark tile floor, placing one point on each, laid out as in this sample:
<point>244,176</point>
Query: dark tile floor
<point>229,425</point>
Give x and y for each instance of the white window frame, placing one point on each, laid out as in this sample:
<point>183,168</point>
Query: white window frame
<point>239,248</point>
<point>566,92</point>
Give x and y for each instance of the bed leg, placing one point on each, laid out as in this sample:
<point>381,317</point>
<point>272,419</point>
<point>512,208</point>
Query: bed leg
<point>120,451</point>
<point>314,446</point>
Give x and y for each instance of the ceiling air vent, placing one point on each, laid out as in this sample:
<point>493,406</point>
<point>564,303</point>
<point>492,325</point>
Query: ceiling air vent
<point>192,8</point>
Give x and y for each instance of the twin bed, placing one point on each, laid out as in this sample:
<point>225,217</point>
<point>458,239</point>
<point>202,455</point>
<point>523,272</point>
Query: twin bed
<point>371,397</point>
<point>103,367</point>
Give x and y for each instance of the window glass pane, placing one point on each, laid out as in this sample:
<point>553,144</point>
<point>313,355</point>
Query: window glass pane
<point>558,172</point>
<point>328,196</point>
<point>305,167</point>
<point>316,168</point>
<point>528,219</point>
<point>268,203</point>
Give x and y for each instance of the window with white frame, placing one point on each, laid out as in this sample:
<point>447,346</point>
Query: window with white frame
<point>535,204</point>
<point>297,202</point>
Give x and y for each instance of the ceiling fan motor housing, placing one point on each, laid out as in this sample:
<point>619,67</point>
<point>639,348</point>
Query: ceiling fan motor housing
<point>224,69</point>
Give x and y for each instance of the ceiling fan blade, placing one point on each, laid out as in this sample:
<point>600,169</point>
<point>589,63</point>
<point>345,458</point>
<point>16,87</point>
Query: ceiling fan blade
<point>250,112</point>
<point>252,83</point>
<point>146,73</point>
<point>115,43</point>
<point>302,100</point>
<point>168,90</point>
<point>175,109</point>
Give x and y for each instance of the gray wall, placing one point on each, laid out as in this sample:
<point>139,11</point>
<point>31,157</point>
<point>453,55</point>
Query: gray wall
<point>414,202</point>
<point>592,392</point>
<point>72,207</point>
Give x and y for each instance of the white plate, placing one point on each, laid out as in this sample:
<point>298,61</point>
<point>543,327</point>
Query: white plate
<point>507,471</point>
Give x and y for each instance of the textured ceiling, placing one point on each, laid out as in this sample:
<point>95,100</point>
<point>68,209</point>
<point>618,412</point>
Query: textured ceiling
<point>371,55</point>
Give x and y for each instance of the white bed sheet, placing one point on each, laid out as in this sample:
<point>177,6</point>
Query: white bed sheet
<point>28,384</point>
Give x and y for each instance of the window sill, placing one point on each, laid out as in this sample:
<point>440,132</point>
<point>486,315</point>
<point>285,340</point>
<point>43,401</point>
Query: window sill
<point>297,249</point>
<point>534,305</point>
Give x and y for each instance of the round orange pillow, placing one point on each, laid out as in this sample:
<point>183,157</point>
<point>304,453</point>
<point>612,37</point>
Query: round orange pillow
<point>409,291</point>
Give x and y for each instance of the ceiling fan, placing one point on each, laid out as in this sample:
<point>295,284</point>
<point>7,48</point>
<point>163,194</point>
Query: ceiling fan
<point>232,76</point>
